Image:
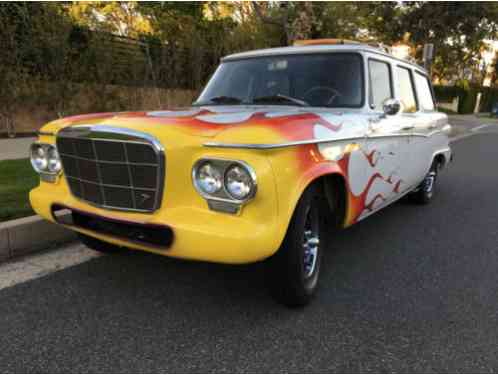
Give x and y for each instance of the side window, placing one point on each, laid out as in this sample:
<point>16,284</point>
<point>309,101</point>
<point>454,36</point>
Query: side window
<point>405,90</point>
<point>380,83</point>
<point>424,92</point>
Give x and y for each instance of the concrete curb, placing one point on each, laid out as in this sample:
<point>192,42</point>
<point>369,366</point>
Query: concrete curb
<point>30,234</point>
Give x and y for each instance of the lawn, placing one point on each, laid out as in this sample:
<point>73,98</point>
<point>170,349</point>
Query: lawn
<point>17,178</point>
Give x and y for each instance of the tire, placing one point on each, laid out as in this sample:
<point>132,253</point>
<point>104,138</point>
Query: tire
<point>99,245</point>
<point>426,190</point>
<point>293,272</point>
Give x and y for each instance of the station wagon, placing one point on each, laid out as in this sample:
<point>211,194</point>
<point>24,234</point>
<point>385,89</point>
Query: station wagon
<point>282,147</point>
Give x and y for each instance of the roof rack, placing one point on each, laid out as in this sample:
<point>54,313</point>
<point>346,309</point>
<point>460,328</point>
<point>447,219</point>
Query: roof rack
<point>381,46</point>
<point>315,42</point>
<point>332,41</point>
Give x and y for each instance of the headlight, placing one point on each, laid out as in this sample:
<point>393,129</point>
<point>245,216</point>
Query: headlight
<point>53,160</point>
<point>238,182</point>
<point>39,157</point>
<point>208,178</point>
<point>225,184</point>
<point>45,160</point>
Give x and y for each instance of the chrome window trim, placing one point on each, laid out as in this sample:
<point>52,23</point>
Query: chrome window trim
<point>130,136</point>
<point>270,146</point>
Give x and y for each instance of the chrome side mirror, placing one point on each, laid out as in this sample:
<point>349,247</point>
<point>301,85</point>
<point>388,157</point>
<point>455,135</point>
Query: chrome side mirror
<point>391,107</point>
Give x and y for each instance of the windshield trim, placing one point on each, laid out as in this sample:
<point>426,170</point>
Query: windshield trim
<point>352,53</point>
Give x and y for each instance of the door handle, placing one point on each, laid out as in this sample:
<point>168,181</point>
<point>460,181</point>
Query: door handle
<point>408,127</point>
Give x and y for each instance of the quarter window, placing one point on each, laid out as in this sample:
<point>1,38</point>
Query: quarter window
<point>380,83</point>
<point>405,90</point>
<point>424,92</point>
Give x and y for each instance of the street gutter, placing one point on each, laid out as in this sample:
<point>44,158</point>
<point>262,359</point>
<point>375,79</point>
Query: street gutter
<point>30,234</point>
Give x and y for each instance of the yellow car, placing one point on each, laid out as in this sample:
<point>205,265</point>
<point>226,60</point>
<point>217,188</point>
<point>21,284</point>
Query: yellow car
<point>282,146</point>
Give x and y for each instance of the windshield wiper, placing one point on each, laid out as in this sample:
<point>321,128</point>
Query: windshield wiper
<point>280,99</point>
<point>221,100</point>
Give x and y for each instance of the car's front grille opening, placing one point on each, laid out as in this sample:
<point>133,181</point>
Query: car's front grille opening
<point>147,234</point>
<point>113,173</point>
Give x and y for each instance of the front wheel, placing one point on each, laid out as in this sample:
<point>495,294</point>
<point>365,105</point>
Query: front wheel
<point>294,270</point>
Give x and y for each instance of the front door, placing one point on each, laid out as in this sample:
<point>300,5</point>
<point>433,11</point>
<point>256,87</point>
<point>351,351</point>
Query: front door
<point>386,140</point>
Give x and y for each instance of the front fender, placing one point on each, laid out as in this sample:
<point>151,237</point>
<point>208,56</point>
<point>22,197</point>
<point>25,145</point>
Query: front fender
<point>295,169</point>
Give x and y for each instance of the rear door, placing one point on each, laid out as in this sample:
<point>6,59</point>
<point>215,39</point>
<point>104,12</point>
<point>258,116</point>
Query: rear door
<point>425,138</point>
<point>409,119</point>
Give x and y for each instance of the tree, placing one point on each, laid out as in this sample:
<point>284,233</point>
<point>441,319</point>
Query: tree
<point>122,18</point>
<point>294,20</point>
<point>456,29</point>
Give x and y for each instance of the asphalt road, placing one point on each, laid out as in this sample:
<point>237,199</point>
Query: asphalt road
<point>410,289</point>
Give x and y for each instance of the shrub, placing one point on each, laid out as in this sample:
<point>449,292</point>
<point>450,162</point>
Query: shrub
<point>489,99</point>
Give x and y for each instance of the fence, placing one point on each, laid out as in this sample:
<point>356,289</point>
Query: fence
<point>85,71</point>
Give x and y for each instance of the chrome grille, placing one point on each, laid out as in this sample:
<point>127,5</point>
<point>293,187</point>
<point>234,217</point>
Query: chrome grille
<point>113,168</point>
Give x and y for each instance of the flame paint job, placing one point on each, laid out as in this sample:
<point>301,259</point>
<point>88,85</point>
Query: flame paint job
<point>371,177</point>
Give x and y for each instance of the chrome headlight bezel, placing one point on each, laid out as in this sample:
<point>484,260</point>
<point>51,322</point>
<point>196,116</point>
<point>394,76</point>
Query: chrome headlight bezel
<point>223,195</point>
<point>51,166</point>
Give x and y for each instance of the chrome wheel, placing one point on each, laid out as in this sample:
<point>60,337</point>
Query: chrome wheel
<point>294,270</point>
<point>429,184</point>
<point>311,242</point>
<point>427,188</point>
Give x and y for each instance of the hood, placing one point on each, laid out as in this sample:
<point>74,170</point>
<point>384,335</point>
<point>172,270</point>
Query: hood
<point>231,124</point>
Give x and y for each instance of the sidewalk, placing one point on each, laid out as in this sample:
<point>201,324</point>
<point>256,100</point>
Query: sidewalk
<point>15,148</point>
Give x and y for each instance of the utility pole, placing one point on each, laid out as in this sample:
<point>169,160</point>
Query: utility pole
<point>428,56</point>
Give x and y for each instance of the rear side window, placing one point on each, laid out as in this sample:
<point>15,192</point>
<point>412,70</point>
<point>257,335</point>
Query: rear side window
<point>405,90</point>
<point>380,83</point>
<point>424,92</point>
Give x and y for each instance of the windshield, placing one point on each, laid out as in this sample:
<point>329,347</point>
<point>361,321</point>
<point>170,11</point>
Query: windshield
<point>318,80</point>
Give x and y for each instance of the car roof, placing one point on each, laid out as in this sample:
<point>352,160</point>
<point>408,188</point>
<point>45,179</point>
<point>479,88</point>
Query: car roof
<point>317,48</point>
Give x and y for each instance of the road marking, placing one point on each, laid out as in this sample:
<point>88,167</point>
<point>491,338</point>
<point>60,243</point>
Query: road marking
<point>461,136</point>
<point>38,265</point>
<point>482,127</point>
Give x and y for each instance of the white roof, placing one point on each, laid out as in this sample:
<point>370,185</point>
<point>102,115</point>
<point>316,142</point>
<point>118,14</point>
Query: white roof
<point>295,50</point>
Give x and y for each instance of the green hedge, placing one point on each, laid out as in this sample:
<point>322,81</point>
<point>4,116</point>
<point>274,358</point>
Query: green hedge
<point>489,99</point>
<point>467,97</point>
<point>447,93</point>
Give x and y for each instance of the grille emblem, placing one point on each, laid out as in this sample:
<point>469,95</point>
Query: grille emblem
<point>145,198</point>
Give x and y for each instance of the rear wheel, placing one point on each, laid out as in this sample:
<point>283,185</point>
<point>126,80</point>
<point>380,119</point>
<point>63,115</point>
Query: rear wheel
<point>294,270</point>
<point>98,245</point>
<point>426,190</point>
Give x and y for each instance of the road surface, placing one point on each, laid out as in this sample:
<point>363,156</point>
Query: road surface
<point>410,289</point>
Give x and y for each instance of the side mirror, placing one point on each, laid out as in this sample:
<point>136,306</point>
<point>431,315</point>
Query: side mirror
<point>391,107</point>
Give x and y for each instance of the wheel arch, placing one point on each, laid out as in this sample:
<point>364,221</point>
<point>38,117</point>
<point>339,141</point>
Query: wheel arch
<point>440,159</point>
<point>332,186</point>
<point>443,157</point>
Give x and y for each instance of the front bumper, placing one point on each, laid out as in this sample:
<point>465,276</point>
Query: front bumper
<point>197,233</point>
